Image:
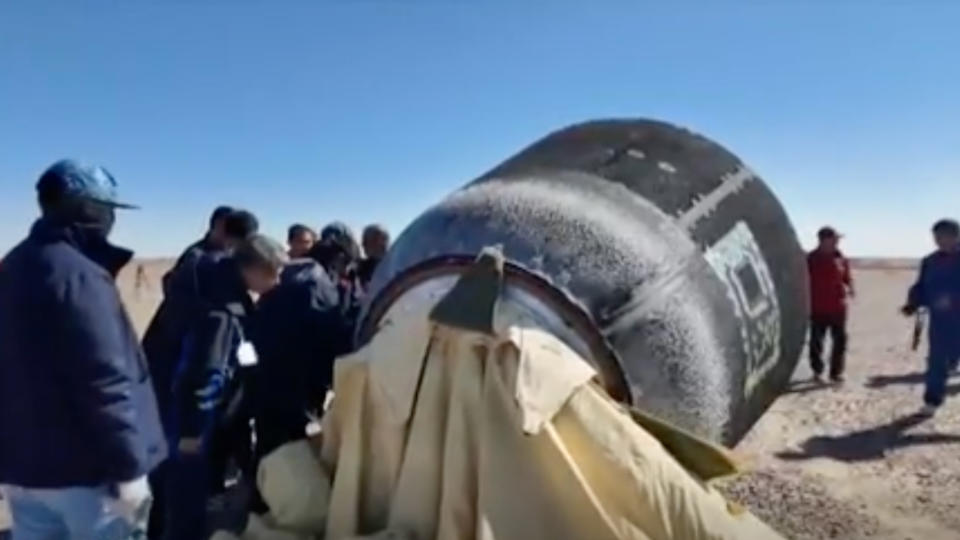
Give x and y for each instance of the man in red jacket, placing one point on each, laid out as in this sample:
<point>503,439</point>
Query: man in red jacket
<point>830,286</point>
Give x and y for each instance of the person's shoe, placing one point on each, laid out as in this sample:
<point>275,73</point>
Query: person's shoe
<point>927,411</point>
<point>818,378</point>
<point>838,379</point>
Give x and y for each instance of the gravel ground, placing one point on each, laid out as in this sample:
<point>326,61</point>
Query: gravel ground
<point>827,462</point>
<point>854,462</point>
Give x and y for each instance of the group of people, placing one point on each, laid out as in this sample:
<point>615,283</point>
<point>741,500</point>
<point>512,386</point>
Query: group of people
<point>237,379</point>
<point>936,293</point>
<point>109,437</point>
<point>115,438</point>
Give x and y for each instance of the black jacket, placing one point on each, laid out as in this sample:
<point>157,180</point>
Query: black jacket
<point>76,404</point>
<point>206,371</point>
<point>298,330</point>
<point>182,306</point>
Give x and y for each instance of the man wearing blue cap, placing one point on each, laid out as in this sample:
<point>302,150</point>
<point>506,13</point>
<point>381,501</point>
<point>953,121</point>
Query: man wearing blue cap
<point>79,429</point>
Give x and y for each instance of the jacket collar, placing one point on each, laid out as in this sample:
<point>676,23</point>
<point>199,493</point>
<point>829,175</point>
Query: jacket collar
<point>96,248</point>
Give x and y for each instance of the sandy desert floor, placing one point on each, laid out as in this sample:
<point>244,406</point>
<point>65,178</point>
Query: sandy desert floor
<point>853,462</point>
<point>847,463</point>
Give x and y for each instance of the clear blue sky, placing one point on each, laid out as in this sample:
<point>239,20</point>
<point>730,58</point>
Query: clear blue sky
<point>362,110</point>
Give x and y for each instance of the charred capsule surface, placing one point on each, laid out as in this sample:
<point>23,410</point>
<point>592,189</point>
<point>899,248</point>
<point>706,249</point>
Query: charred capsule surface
<point>669,257</point>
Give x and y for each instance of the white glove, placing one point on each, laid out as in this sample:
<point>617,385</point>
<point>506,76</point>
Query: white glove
<point>132,499</point>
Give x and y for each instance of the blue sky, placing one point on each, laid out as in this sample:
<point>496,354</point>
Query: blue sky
<point>373,110</point>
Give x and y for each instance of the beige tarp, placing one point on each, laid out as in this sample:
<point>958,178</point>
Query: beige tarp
<point>438,433</point>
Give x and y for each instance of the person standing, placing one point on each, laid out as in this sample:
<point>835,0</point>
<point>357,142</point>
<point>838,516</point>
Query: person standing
<point>297,331</point>
<point>79,427</point>
<point>831,284</point>
<point>376,242</point>
<point>164,334</point>
<point>938,290</point>
<point>185,301</point>
<point>300,239</point>
<point>214,240</point>
<point>205,395</point>
<point>337,252</point>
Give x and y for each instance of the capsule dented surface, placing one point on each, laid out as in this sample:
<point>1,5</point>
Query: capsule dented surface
<point>681,258</point>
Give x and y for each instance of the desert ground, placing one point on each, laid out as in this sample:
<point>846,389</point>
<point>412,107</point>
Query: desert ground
<point>846,462</point>
<point>853,462</point>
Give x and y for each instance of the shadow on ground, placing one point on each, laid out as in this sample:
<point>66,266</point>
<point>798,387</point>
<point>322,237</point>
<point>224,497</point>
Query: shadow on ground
<point>883,381</point>
<point>870,444</point>
<point>807,386</point>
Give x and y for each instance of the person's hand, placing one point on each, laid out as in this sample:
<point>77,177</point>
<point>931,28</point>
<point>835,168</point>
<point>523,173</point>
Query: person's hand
<point>908,310</point>
<point>189,445</point>
<point>132,500</point>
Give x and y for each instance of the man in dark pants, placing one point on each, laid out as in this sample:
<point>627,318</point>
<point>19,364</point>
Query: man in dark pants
<point>79,428</point>
<point>297,331</point>
<point>204,385</point>
<point>164,335</point>
<point>831,284</point>
<point>938,290</point>
<point>185,302</point>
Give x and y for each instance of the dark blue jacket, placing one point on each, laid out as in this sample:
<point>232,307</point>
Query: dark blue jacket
<point>298,330</point>
<point>76,403</point>
<point>180,309</point>
<point>206,374</point>
<point>938,289</point>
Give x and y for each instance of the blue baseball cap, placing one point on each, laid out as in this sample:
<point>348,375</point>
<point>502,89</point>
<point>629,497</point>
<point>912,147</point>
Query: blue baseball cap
<point>74,179</point>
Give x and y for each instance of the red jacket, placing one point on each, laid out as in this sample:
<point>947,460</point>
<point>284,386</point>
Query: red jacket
<point>830,281</point>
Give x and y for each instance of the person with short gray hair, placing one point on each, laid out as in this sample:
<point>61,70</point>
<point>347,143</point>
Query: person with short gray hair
<point>261,260</point>
<point>297,330</point>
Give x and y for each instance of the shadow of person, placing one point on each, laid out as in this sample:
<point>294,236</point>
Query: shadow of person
<point>870,444</point>
<point>804,387</point>
<point>883,381</point>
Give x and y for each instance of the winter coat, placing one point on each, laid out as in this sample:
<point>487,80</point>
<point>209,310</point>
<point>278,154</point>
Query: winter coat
<point>830,279</point>
<point>206,374</point>
<point>938,286</point>
<point>181,306</point>
<point>77,406</point>
<point>298,330</point>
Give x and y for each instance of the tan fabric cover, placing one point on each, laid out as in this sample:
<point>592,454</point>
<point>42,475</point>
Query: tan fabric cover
<point>500,439</point>
<point>295,488</point>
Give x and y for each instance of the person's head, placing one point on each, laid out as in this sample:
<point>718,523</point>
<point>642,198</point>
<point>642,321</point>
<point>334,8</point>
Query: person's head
<point>829,239</point>
<point>376,241</point>
<point>238,225</point>
<point>300,238</point>
<point>946,234</point>
<point>218,220</point>
<point>336,250</point>
<point>76,194</point>
<point>261,261</point>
